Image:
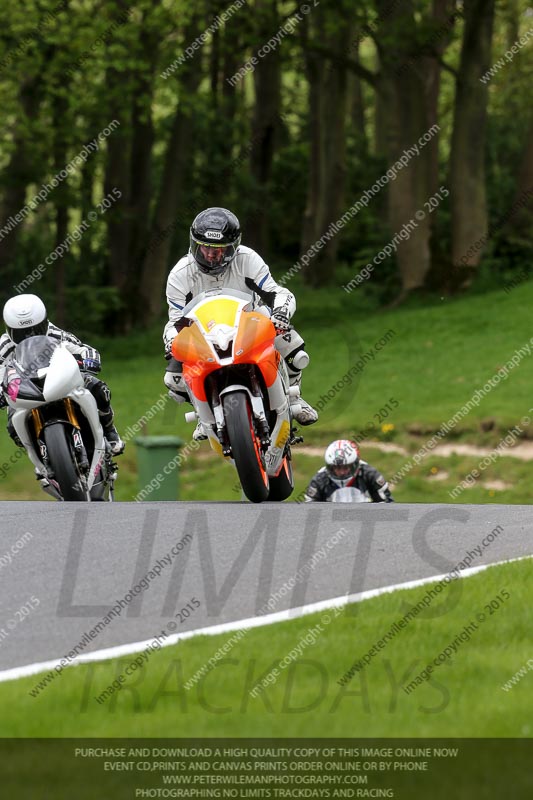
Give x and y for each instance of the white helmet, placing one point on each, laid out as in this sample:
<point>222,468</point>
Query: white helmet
<point>25,316</point>
<point>342,461</point>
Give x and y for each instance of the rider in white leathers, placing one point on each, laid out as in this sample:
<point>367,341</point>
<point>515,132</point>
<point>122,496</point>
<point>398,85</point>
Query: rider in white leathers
<point>25,315</point>
<point>216,259</point>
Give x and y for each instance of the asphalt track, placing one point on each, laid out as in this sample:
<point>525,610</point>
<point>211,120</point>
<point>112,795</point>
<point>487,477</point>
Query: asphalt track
<point>81,559</point>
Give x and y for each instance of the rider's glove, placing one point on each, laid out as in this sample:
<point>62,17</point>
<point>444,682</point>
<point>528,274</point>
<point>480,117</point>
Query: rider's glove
<point>280,320</point>
<point>91,359</point>
<point>182,322</point>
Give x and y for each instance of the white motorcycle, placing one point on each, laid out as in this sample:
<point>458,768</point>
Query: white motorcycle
<point>349,494</point>
<point>239,388</point>
<point>56,419</point>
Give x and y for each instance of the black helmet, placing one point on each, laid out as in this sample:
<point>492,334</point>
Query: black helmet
<point>215,237</point>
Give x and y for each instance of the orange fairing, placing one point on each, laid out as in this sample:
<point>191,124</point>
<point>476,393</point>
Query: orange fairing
<point>190,346</point>
<point>254,344</point>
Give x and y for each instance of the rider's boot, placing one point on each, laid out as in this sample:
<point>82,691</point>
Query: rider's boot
<point>46,486</point>
<point>111,435</point>
<point>199,434</point>
<point>178,391</point>
<point>102,395</point>
<point>306,415</point>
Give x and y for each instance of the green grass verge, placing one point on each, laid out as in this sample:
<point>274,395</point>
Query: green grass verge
<point>463,695</point>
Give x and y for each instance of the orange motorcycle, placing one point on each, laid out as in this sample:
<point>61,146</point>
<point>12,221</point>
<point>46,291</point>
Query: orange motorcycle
<point>239,388</point>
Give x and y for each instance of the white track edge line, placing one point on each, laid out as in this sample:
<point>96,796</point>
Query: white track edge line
<point>253,622</point>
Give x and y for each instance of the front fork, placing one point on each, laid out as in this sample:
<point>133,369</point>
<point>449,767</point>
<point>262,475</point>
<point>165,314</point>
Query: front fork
<point>218,413</point>
<point>81,452</point>
<point>261,423</point>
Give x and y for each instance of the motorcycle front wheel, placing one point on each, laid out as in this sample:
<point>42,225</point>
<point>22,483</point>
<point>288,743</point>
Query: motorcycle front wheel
<point>245,446</point>
<point>61,459</point>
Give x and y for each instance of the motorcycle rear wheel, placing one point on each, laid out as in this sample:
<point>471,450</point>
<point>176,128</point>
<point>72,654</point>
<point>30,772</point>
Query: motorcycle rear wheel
<point>245,446</point>
<point>61,461</point>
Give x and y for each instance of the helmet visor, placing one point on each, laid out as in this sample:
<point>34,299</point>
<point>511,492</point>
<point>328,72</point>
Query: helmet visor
<point>20,334</point>
<point>342,471</point>
<point>212,258</point>
<point>212,255</point>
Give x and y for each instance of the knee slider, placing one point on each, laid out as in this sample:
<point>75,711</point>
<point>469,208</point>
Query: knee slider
<point>300,360</point>
<point>297,359</point>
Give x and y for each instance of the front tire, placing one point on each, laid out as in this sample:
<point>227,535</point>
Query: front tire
<point>245,446</point>
<point>62,463</point>
<point>282,486</point>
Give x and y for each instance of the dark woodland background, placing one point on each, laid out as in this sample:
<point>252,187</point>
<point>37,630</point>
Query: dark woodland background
<point>290,148</point>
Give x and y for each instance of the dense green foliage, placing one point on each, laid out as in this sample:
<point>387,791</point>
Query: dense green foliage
<point>186,136</point>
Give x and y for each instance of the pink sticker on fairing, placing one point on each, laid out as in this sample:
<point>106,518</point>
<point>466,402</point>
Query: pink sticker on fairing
<point>13,388</point>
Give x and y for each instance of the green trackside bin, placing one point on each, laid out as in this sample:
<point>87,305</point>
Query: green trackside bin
<point>158,467</point>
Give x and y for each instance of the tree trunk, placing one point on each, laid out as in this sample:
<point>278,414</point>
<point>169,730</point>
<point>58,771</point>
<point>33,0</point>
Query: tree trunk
<point>118,175</point>
<point>88,171</point>
<point>214,68</point>
<point>231,55</point>
<point>356,113</point>
<point>129,164</point>
<point>410,189</point>
<point>61,202</point>
<point>380,124</point>
<point>173,186</point>
<point>328,97</point>
<point>405,109</point>
<point>442,12</point>
<point>467,161</point>
<point>141,162</point>
<point>440,31</point>
<point>520,222</point>
<point>265,125</point>
<point>357,110</point>
<point>22,168</point>
<point>225,58</point>
<point>511,14</point>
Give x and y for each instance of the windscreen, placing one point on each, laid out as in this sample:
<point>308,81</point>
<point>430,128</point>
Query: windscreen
<point>35,353</point>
